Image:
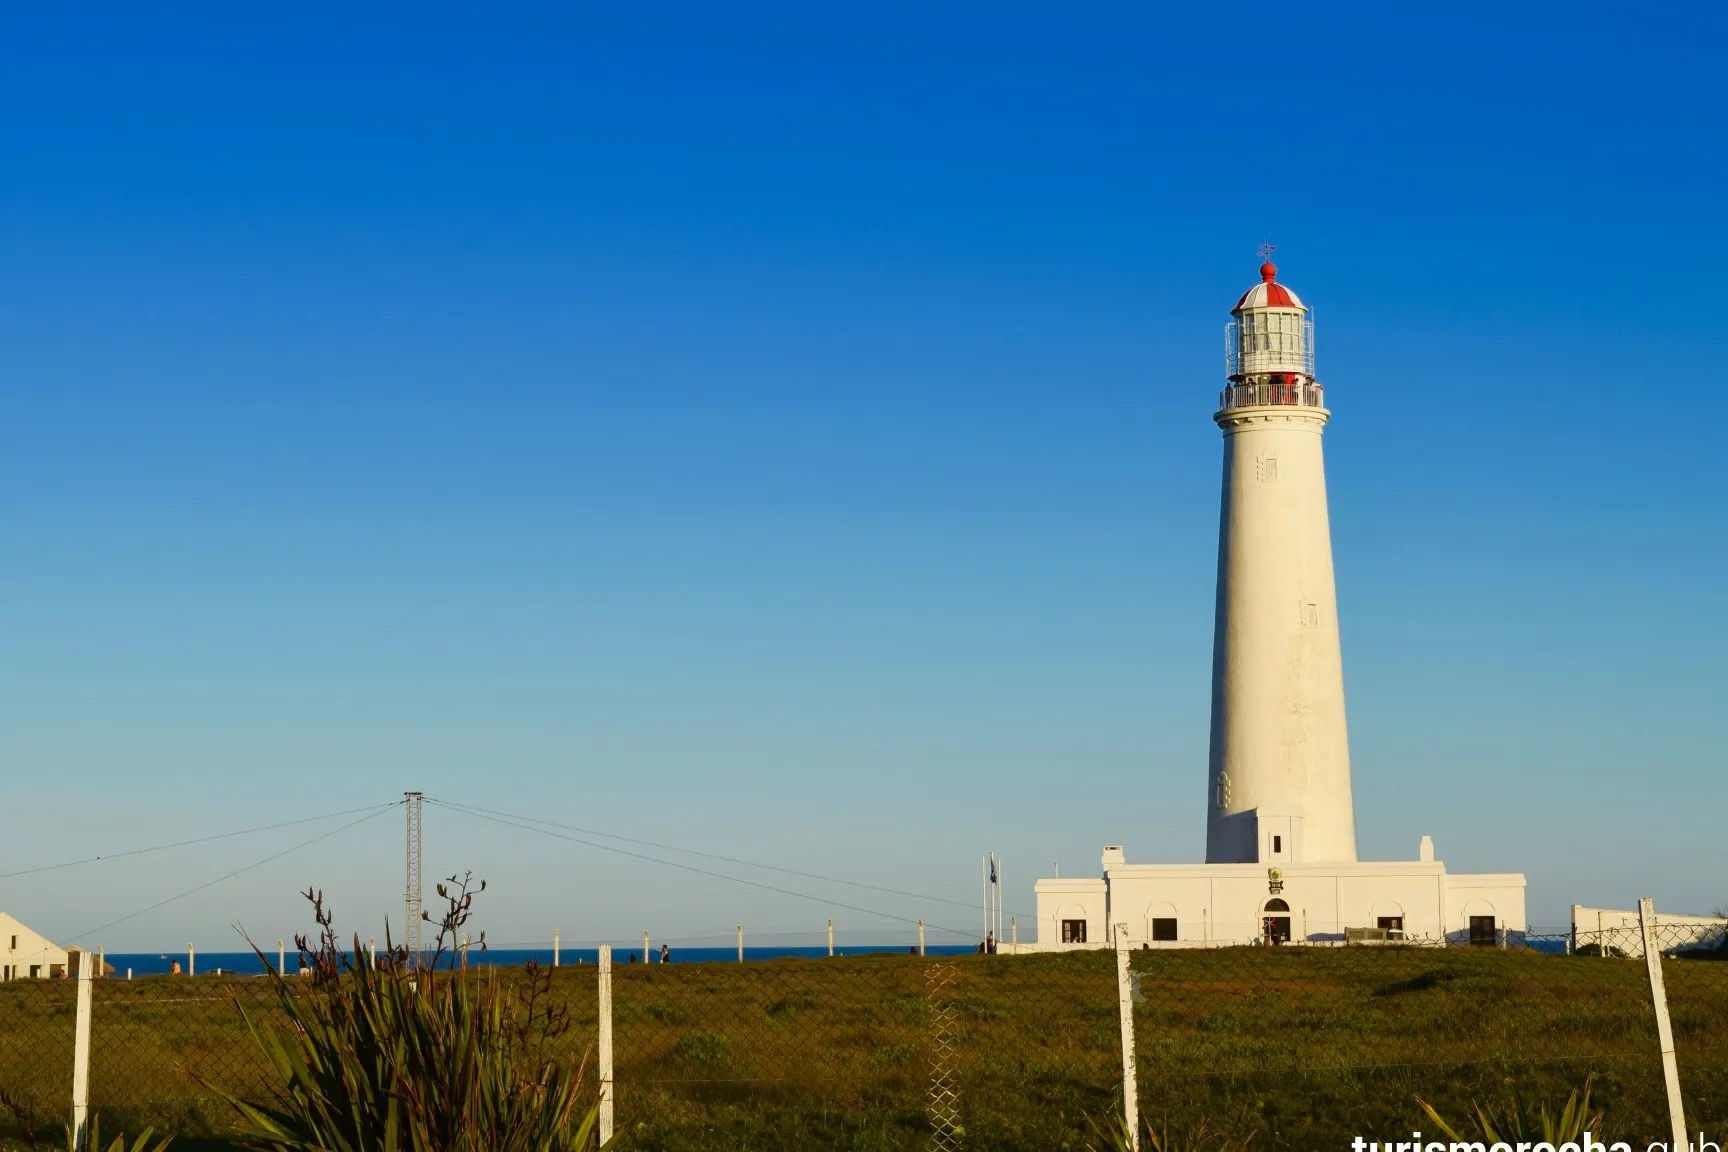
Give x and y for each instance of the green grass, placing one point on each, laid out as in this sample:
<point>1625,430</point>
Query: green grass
<point>1304,1048</point>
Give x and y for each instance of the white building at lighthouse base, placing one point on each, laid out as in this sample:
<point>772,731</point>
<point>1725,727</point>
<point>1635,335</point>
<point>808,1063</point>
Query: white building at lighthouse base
<point>1209,905</point>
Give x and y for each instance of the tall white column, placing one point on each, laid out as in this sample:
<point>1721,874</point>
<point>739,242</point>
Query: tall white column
<point>1280,759</point>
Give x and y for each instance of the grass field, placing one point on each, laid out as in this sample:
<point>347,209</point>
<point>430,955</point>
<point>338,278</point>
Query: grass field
<point>1303,1048</point>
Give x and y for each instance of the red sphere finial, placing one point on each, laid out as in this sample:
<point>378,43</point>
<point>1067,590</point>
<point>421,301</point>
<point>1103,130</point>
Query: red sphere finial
<point>1267,270</point>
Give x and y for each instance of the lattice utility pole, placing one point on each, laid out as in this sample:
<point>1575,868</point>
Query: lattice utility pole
<point>411,895</point>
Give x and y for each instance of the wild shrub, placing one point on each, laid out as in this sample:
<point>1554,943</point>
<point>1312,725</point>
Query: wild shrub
<point>404,1056</point>
<point>146,1141</point>
<point>1113,1137</point>
<point>1515,1119</point>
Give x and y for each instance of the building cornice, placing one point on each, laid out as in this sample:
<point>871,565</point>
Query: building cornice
<point>1235,419</point>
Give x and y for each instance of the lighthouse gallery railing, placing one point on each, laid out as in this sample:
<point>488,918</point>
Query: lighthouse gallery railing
<point>1306,394</point>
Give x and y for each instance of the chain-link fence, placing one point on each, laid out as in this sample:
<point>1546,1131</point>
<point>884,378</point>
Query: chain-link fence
<point>38,1027</point>
<point>1309,1047</point>
<point>1290,1046</point>
<point>893,1051</point>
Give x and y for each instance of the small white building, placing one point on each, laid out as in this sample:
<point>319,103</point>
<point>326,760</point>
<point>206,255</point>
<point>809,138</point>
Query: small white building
<point>1280,823</point>
<point>1204,905</point>
<point>24,955</point>
<point>1615,929</point>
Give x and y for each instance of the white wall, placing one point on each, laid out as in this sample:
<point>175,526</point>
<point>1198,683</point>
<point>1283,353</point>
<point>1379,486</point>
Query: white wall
<point>1060,900</point>
<point>21,950</point>
<point>1618,928</point>
<point>1224,904</point>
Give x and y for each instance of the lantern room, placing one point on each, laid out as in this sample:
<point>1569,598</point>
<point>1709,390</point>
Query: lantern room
<point>1269,347</point>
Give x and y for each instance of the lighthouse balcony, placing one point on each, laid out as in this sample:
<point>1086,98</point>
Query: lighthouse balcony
<point>1265,393</point>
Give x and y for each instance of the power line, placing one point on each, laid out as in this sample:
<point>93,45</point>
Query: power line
<point>517,822</point>
<point>379,811</point>
<point>183,843</point>
<point>475,809</point>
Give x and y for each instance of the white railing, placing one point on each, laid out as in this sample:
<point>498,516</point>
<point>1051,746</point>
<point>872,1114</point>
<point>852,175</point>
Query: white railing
<point>1303,394</point>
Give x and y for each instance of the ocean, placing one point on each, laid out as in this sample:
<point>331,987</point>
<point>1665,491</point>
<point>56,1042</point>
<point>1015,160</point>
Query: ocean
<point>248,964</point>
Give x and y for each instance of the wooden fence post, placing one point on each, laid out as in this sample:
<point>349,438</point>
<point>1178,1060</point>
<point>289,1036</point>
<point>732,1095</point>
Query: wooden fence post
<point>1664,1029</point>
<point>81,1058</point>
<point>607,1088</point>
<point>1125,1006</point>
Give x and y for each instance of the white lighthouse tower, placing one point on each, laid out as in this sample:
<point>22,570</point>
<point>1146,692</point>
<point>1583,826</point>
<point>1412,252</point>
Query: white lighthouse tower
<point>1280,760</point>
<point>1281,862</point>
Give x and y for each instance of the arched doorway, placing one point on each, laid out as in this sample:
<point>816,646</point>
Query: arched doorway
<point>1275,922</point>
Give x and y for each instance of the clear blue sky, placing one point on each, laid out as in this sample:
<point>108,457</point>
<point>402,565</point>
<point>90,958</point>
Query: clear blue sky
<point>784,431</point>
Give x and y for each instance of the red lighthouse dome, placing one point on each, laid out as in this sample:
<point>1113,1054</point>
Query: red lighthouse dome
<point>1268,293</point>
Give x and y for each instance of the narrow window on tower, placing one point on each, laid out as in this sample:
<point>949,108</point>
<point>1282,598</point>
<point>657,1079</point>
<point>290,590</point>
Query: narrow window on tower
<point>1267,467</point>
<point>1310,615</point>
<point>1277,844</point>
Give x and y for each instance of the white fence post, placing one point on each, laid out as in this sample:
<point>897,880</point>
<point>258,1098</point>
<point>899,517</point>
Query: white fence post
<point>281,959</point>
<point>191,959</point>
<point>554,947</point>
<point>607,1088</point>
<point>1125,1004</point>
<point>830,937</point>
<point>81,1058</point>
<point>1664,1029</point>
<point>920,937</point>
<point>740,943</point>
<point>644,947</point>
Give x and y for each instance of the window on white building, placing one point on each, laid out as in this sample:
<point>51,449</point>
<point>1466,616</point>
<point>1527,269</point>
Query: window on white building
<point>1164,928</point>
<point>1073,931</point>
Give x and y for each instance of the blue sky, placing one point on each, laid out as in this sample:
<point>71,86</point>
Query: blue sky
<point>784,432</point>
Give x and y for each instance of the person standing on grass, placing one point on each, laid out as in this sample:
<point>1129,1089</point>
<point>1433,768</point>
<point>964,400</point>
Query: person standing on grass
<point>665,954</point>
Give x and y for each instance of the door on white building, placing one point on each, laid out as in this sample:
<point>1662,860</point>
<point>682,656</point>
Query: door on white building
<point>1275,922</point>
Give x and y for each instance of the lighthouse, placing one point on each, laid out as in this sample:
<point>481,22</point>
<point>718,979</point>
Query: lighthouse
<point>1279,772</point>
<point>1281,864</point>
